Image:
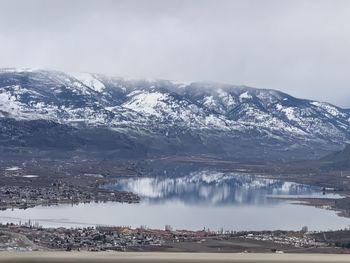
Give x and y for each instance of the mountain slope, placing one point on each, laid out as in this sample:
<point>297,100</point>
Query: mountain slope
<point>339,159</point>
<point>95,113</point>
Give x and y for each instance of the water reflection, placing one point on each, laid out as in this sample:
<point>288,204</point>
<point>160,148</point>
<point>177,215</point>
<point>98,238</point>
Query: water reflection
<point>212,188</point>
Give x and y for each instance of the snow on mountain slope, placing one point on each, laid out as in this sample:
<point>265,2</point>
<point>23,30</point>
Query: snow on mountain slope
<point>90,81</point>
<point>159,107</point>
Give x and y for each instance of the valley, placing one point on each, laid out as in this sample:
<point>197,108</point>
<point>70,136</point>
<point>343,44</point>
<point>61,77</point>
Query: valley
<point>150,153</point>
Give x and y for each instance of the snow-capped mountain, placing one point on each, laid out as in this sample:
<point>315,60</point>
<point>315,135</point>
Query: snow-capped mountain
<point>161,117</point>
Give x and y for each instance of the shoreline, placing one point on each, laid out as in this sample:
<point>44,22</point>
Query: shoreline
<point>321,203</point>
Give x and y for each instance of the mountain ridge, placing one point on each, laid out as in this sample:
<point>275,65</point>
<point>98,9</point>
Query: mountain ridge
<point>157,116</point>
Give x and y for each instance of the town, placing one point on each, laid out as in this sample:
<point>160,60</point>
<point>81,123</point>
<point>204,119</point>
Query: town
<point>29,187</point>
<point>30,236</point>
<point>58,193</point>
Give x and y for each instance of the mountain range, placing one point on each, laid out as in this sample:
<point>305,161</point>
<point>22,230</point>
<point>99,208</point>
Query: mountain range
<point>92,114</point>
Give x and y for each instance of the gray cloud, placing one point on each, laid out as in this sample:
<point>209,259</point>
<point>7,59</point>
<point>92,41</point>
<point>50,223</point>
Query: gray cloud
<point>300,47</point>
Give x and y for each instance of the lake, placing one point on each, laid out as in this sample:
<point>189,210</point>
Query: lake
<point>204,199</point>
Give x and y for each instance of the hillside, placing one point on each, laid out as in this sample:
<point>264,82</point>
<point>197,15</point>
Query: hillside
<point>51,111</point>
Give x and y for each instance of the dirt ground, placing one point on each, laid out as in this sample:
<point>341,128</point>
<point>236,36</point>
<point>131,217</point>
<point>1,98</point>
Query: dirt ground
<point>57,257</point>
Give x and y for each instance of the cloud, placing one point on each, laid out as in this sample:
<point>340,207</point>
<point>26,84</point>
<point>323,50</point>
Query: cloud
<point>300,47</point>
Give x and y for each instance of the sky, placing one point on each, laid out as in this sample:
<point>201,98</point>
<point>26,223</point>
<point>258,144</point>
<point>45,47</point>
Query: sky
<point>299,47</point>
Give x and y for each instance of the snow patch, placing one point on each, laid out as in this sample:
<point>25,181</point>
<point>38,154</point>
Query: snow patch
<point>245,95</point>
<point>146,102</point>
<point>89,80</point>
<point>13,168</point>
<point>327,107</point>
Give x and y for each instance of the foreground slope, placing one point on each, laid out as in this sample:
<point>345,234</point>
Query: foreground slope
<point>168,257</point>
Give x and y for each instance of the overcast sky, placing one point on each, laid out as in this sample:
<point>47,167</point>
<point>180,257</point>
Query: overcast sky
<point>299,47</point>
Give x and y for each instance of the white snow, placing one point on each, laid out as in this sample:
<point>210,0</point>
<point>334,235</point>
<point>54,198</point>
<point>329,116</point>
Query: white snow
<point>327,107</point>
<point>226,99</point>
<point>245,95</point>
<point>146,102</point>
<point>30,176</point>
<point>90,81</point>
<point>13,168</point>
<point>209,101</point>
<point>9,104</point>
<point>289,112</point>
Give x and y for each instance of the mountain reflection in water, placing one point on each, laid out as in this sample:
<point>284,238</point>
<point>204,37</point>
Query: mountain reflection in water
<point>211,188</point>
